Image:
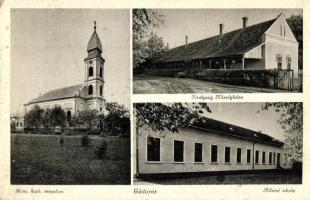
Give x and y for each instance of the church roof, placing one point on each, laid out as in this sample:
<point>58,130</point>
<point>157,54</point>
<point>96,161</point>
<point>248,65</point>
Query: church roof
<point>232,43</point>
<point>222,128</point>
<point>94,42</point>
<point>62,93</point>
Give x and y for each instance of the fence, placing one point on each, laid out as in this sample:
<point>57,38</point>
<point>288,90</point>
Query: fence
<point>267,78</point>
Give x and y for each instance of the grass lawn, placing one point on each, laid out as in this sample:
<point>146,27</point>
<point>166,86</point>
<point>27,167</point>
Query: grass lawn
<point>259,178</point>
<point>42,164</point>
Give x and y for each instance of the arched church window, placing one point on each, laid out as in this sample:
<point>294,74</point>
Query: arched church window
<point>69,116</point>
<point>101,90</point>
<point>90,71</point>
<point>100,73</point>
<point>90,89</point>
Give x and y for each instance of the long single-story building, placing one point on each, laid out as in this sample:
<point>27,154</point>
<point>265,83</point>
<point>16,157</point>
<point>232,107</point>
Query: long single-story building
<point>207,146</point>
<point>266,45</point>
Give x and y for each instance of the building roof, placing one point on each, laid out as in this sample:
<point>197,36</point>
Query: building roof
<point>222,128</point>
<point>94,42</point>
<point>62,93</point>
<point>234,43</point>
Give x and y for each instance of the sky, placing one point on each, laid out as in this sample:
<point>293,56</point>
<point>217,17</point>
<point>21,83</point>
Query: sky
<point>199,24</point>
<point>48,47</point>
<point>248,115</point>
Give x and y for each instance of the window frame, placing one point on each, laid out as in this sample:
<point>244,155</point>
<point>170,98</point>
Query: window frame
<point>256,157</point>
<point>279,60</point>
<point>248,161</point>
<point>195,152</point>
<point>217,154</point>
<point>92,71</point>
<point>92,89</point>
<point>146,155</point>
<point>101,90</point>
<point>270,158</point>
<point>263,157</point>
<point>240,162</point>
<point>174,151</point>
<point>229,161</point>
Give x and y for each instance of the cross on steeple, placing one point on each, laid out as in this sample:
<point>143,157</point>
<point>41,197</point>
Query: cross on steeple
<point>94,25</point>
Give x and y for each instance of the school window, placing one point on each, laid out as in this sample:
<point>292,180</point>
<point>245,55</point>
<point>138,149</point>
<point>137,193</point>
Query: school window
<point>279,61</point>
<point>178,151</point>
<point>264,158</point>
<point>288,61</point>
<point>153,149</point>
<point>270,158</point>
<point>248,156</point>
<point>227,154</point>
<point>238,155</point>
<point>284,31</point>
<point>256,157</point>
<point>281,30</point>
<point>274,158</point>
<point>198,152</point>
<point>213,153</point>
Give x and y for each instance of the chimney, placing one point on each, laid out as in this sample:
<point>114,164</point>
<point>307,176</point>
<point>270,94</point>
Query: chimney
<point>221,29</point>
<point>245,21</point>
<point>186,40</point>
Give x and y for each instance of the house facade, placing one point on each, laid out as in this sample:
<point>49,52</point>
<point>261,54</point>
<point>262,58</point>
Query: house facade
<point>267,45</point>
<point>89,94</point>
<point>211,146</point>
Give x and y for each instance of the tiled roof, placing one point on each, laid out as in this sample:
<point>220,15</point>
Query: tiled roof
<point>94,42</point>
<point>231,43</point>
<point>61,93</point>
<point>222,128</point>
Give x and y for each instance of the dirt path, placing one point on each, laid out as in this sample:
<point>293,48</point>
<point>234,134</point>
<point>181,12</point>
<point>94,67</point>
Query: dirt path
<point>166,85</point>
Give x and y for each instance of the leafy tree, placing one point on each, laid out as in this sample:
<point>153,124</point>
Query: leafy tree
<point>296,24</point>
<point>15,117</point>
<point>168,117</point>
<point>34,117</point>
<point>291,121</point>
<point>143,38</point>
<point>46,118</point>
<point>117,117</point>
<point>57,117</point>
<point>87,118</point>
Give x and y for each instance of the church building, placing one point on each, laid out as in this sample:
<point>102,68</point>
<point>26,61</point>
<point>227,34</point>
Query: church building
<point>87,95</point>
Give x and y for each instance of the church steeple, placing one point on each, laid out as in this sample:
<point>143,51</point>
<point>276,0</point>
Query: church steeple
<point>94,43</point>
<point>94,67</point>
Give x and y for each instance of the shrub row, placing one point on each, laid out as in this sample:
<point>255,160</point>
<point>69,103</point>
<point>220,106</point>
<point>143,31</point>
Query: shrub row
<point>257,78</point>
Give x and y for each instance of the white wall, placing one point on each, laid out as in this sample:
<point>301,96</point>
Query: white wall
<point>277,42</point>
<point>189,136</point>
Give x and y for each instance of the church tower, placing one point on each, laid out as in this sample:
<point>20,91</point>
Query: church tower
<point>94,65</point>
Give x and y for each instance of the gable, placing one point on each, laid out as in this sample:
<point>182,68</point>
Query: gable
<point>234,43</point>
<point>280,28</point>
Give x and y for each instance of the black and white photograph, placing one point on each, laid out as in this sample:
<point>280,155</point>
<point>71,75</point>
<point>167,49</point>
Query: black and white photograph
<point>218,143</point>
<point>217,51</point>
<point>70,96</point>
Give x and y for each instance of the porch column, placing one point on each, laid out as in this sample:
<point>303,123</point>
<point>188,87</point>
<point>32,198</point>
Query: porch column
<point>242,62</point>
<point>210,63</point>
<point>224,61</point>
<point>200,63</point>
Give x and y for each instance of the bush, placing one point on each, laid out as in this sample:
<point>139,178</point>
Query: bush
<point>94,132</point>
<point>61,141</point>
<point>101,149</point>
<point>85,140</point>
